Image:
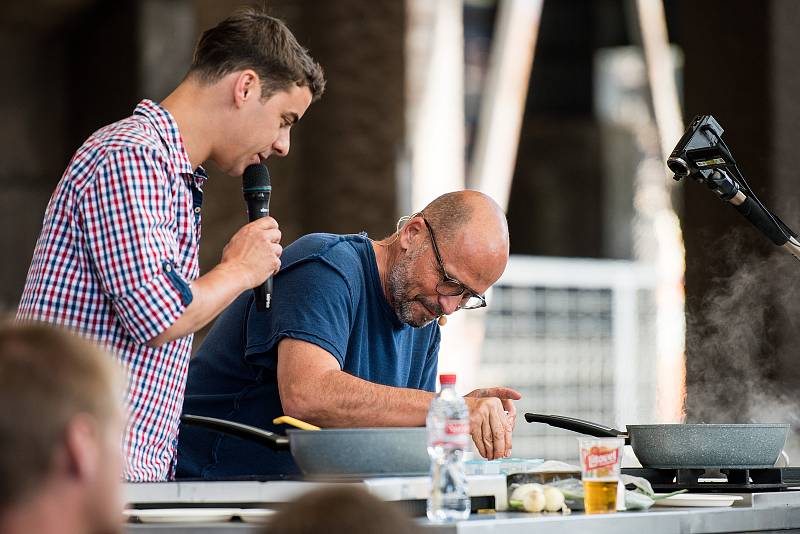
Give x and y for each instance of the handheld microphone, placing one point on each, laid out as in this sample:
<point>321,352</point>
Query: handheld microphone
<point>257,189</point>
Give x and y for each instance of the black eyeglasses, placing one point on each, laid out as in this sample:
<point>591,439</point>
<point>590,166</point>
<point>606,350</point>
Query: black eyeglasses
<point>449,286</point>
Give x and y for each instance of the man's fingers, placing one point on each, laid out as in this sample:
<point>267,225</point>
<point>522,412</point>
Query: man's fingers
<point>509,434</point>
<point>501,437</point>
<point>487,438</point>
<point>512,421</point>
<point>501,393</point>
<point>508,406</point>
<point>476,424</point>
<point>478,441</point>
<point>493,422</point>
<point>265,223</point>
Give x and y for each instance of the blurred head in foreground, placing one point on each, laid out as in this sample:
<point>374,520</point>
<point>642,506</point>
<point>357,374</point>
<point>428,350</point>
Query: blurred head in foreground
<point>346,510</point>
<point>60,424</point>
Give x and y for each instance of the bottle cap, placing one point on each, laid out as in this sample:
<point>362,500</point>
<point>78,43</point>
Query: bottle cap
<point>447,379</point>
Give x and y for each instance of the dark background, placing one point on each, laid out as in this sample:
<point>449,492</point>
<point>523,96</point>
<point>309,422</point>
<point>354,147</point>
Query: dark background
<point>72,66</point>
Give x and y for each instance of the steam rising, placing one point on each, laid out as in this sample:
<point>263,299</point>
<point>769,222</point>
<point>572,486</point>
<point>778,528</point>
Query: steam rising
<point>743,342</point>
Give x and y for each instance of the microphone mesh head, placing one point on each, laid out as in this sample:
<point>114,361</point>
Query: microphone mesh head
<point>255,177</point>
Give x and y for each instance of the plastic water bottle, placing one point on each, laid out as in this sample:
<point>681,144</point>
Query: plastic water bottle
<point>448,437</point>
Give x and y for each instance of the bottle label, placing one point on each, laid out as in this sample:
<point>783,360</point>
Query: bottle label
<point>456,427</point>
<point>454,434</point>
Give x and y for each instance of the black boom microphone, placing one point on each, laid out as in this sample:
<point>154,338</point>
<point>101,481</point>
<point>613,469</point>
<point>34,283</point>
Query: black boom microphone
<point>703,155</point>
<point>257,189</point>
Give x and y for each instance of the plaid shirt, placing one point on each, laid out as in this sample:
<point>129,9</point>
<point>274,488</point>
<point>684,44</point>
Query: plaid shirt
<point>118,247</point>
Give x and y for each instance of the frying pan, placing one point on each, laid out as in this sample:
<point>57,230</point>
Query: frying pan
<point>689,446</point>
<point>339,452</point>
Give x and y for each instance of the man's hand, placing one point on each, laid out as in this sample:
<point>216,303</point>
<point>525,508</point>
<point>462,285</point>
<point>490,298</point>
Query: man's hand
<point>254,251</point>
<point>489,425</point>
<point>250,257</point>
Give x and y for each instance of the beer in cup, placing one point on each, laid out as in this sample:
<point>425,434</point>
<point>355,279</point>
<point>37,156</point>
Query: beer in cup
<point>601,459</point>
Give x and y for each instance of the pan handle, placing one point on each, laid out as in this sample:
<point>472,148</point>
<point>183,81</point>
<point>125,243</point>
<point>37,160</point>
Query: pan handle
<point>247,432</point>
<point>577,425</point>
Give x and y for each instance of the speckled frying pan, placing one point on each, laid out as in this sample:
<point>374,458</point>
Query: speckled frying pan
<point>338,452</point>
<point>688,446</point>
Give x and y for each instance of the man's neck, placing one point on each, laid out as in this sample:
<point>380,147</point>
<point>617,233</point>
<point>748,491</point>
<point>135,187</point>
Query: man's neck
<point>44,514</point>
<point>187,105</point>
<point>386,252</point>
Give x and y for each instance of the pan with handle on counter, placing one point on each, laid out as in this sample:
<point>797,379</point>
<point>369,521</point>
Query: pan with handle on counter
<point>338,452</point>
<point>688,446</point>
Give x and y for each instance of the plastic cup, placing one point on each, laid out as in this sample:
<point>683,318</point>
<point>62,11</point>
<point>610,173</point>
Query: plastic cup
<point>601,459</point>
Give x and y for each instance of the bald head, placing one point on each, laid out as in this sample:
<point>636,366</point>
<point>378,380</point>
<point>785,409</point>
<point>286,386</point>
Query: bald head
<point>471,229</point>
<point>471,234</point>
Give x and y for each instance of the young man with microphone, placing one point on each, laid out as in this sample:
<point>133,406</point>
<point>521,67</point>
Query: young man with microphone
<point>117,258</point>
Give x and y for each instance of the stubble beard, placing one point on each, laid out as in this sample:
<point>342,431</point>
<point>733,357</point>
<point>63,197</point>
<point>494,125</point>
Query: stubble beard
<point>399,283</point>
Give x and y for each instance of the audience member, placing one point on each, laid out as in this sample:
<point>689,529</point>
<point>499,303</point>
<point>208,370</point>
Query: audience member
<point>60,425</point>
<point>341,510</point>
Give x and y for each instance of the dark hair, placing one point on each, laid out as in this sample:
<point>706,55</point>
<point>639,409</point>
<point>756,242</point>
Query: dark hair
<point>47,377</point>
<point>251,39</point>
<point>341,510</point>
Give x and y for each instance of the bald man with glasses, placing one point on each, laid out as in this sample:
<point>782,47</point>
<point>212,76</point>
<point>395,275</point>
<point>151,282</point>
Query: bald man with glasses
<point>352,338</point>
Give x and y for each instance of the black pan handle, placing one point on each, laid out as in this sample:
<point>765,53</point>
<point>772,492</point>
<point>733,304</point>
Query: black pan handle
<point>250,433</point>
<point>577,425</point>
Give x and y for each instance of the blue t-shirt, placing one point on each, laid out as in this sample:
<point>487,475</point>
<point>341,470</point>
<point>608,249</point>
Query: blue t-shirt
<point>328,292</point>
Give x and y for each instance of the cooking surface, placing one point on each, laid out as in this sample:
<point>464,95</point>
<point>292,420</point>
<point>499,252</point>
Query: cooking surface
<point>757,512</point>
<point>727,480</point>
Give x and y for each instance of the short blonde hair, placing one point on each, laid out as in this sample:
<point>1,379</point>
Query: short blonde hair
<point>47,377</point>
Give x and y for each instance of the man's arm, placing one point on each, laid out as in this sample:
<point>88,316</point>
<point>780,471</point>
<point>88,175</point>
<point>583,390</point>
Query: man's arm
<point>252,255</point>
<point>313,388</point>
<point>132,247</point>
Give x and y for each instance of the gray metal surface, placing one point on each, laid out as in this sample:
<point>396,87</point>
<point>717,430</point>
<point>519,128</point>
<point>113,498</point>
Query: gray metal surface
<point>654,521</point>
<point>708,445</point>
<point>784,518</point>
<point>360,452</point>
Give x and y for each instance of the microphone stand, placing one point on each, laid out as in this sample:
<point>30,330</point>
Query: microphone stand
<point>736,192</point>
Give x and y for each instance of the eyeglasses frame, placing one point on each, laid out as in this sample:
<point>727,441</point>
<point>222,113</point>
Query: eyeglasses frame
<point>447,278</point>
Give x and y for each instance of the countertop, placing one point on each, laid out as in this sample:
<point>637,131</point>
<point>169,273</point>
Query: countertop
<point>766,516</point>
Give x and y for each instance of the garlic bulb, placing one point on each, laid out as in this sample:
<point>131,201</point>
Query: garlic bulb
<point>534,501</point>
<point>521,491</point>
<point>553,499</point>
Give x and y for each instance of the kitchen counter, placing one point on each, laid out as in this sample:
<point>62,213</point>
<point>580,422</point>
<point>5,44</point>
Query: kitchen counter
<point>654,521</point>
<point>775,513</point>
<point>756,512</point>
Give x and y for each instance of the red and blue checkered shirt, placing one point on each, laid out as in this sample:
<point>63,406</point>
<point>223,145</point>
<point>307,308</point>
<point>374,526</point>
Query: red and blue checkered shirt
<point>118,248</point>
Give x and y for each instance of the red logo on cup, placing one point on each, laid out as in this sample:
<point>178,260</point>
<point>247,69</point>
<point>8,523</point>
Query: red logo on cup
<point>596,458</point>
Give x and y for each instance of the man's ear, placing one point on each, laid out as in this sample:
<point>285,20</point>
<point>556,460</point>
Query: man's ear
<point>82,447</point>
<point>411,232</point>
<point>246,87</point>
